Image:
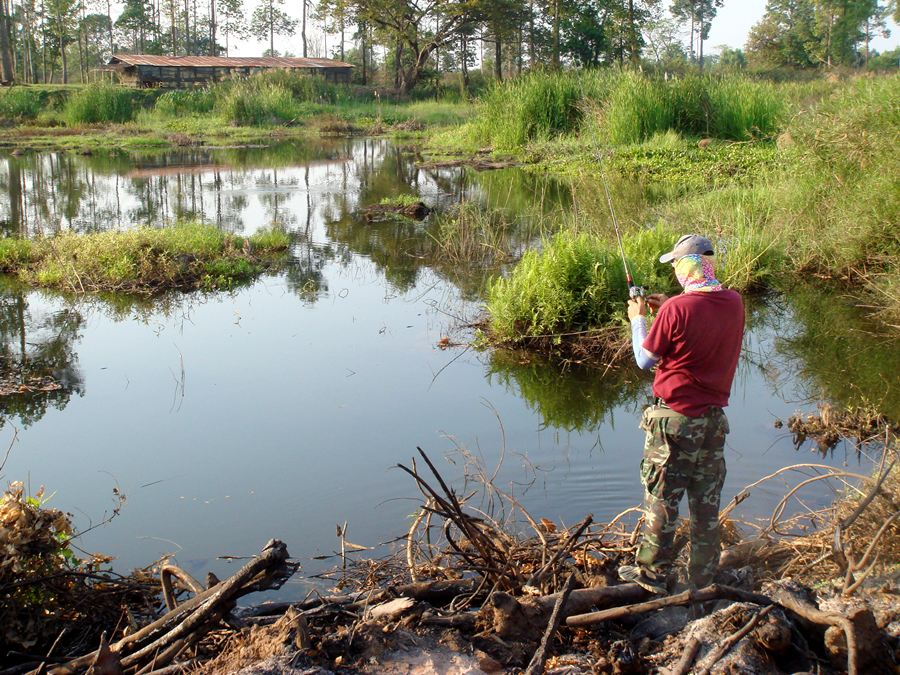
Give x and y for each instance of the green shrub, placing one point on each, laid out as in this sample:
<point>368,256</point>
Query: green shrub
<point>743,108</point>
<point>99,103</point>
<point>20,103</point>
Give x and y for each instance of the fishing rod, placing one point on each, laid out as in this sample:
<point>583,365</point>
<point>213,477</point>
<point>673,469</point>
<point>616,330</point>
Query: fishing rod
<point>633,290</point>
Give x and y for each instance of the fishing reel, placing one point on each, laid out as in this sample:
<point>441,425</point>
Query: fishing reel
<point>637,292</point>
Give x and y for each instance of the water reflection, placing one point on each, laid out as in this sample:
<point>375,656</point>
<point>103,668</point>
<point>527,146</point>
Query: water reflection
<point>573,398</point>
<point>38,358</point>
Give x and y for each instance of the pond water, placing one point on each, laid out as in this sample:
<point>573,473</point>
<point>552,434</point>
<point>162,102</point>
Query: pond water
<point>282,409</point>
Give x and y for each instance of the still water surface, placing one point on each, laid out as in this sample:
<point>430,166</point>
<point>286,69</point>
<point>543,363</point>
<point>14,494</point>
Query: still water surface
<point>281,409</point>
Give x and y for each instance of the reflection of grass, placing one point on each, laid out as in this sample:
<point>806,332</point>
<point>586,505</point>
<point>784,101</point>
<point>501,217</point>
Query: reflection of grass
<point>846,358</point>
<point>575,399</point>
<point>144,260</point>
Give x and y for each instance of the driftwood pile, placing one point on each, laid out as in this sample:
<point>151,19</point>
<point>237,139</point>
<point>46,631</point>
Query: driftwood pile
<point>479,575</point>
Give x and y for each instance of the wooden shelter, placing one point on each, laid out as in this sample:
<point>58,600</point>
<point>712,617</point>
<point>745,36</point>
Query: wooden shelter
<point>151,70</point>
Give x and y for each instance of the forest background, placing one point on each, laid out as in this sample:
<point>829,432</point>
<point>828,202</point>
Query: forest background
<point>443,47</point>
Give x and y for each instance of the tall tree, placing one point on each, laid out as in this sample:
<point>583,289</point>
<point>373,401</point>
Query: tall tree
<point>502,17</point>
<point>700,13</point>
<point>7,72</point>
<point>785,36</point>
<point>232,21</point>
<point>409,22</point>
<point>269,20</point>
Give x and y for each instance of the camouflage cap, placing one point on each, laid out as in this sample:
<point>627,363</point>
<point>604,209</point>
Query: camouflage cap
<point>688,244</point>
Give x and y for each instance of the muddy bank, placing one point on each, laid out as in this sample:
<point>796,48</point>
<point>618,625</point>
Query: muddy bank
<point>479,585</point>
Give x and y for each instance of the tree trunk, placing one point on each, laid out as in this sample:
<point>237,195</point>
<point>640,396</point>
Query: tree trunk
<point>398,54</point>
<point>271,29</point>
<point>303,29</point>
<point>464,64</point>
<point>212,28</point>
<point>109,27</point>
<point>531,34</point>
<point>7,74</point>
<point>363,40</point>
<point>62,49</point>
<point>634,51</point>
<point>700,36</point>
<point>498,57</point>
<point>556,34</point>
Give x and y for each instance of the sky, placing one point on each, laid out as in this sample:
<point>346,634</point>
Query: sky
<point>730,27</point>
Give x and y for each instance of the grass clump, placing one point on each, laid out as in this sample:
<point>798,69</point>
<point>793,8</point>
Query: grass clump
<point>257,102</point>
<point>98,103</point>
<point>146,260</point>
<point>575,283</point>
<point>185,102</point>
<point>18,104</point>
<point>535,106</point>
<point>842,191</point>
<point>400,200</point>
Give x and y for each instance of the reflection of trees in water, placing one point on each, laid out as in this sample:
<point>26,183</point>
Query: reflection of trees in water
<point>34,347</point>
<point>571,398</point>
<point>50,192</point>
<point>824,344</point>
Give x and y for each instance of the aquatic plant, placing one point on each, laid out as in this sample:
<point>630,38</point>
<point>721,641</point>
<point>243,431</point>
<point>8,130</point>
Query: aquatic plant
<point>144,260</point>
<point>98,103</point>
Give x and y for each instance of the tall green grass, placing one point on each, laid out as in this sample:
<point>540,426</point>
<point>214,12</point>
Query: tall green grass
<point>20,103</point>
<point>257,102</point>
<point>842,196</point>
<point>622,107</point>
<point>576,282</point>
<point>185,102</point>
<point>99,103</point>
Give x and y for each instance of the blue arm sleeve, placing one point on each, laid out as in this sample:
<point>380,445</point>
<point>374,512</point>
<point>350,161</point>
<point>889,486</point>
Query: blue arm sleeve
<point>638,335</point>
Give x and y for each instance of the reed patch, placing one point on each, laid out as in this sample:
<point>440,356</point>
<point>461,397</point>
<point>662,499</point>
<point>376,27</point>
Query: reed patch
<point>143,261</point>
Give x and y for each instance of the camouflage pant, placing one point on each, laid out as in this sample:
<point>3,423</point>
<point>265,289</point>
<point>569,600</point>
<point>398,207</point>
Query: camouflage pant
<point>682,454</point>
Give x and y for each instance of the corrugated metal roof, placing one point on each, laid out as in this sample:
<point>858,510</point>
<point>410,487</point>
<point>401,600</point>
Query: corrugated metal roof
<point>226,61</point>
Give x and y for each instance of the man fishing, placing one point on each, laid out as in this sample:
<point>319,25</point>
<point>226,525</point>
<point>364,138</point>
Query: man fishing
<point>695,342</point>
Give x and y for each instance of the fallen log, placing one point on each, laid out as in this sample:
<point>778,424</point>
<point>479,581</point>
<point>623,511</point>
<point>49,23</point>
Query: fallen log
<point>536,666</point>
<point>267,570</point>
<point>523,618</point>
<point>713,592</point>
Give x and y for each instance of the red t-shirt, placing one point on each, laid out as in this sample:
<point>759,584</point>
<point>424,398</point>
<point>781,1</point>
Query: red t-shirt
<point>698,339</point>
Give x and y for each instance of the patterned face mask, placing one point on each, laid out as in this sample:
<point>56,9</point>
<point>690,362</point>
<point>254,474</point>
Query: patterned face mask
<point>695,272</point>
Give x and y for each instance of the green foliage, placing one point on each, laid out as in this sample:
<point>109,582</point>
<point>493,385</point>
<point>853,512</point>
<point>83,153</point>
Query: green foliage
<point>842,189</point>
<point>143,260</point>
<point>99,103</point>
<point>306,88</point>
<point>575,282</point>
<point>20,103</point>
<point>185,102</point>
<point>257,102</point>
<point>400,200</point>
<point>621,108</point>
<point>535,106</point>
<point>14,253</point>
